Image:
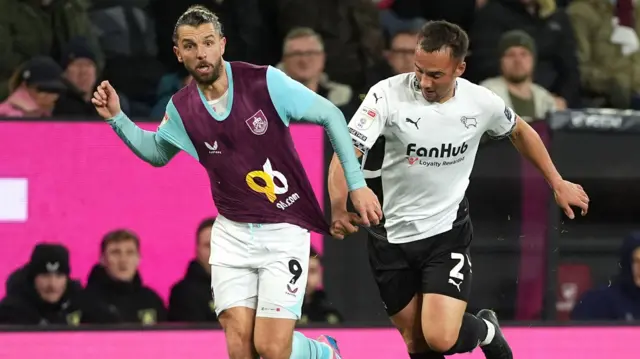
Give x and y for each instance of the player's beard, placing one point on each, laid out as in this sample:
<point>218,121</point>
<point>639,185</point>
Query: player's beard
<point>209,79</point>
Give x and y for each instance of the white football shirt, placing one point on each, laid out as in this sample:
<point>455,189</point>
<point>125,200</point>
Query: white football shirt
<point>418,155</point>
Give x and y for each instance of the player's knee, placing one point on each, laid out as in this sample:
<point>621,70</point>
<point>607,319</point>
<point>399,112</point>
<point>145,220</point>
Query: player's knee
<point>414,340</point>
<point>239,343</point>
<point>239,338</point>
<point>273,349</point>
<point>440,341</point>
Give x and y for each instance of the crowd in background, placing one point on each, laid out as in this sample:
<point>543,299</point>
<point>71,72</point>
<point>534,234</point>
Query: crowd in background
<point>538,55</point>
<point>42,292</point>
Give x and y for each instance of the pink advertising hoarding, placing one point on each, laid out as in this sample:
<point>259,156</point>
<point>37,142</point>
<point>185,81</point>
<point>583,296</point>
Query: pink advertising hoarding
<point>72,182</point>
<point>527,343</point>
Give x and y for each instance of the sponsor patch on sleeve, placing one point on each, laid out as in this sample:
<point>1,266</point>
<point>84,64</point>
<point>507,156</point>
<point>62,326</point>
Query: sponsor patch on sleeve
<point>357,144</point>
<point>362,137</point>
<point>508,113</point>
<point>366,116</point>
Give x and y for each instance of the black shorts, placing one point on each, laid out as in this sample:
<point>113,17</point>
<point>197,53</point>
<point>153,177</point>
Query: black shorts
<point>440,264</point>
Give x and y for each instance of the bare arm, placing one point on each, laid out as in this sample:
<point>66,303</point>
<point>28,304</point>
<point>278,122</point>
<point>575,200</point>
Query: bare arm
<point>527,141</point>
<point>337,185</point>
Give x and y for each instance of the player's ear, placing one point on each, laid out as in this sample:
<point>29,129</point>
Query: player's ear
<point>176,51</point>
<point>460,68</point>
<point>223,45</point>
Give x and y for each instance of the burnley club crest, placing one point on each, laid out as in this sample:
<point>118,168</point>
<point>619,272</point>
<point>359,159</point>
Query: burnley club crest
<point>258,123</point>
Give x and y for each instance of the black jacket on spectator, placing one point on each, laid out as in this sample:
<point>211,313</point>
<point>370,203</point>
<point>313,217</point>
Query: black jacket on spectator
<point>129,302</point>
<point>71,104</point>
<point>619,300</point>
<point>557,63</point>
<point>318,309</point>
<point>23,305</point>
<point>191,299</point>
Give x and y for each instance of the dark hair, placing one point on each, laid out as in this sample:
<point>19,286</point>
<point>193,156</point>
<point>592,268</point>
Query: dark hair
<point>195,16</point>
<point>439,35</point>
<point>206,223</point>
<point>117,236</point>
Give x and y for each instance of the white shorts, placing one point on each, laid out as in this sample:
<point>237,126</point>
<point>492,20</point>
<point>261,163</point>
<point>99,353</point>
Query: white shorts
<point>259,266</point>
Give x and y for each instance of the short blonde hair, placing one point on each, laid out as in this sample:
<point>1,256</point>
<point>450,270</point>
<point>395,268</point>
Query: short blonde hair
<point>300,32</point>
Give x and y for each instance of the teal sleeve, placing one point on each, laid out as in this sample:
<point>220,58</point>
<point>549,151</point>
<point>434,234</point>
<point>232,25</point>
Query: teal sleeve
<point>294,101</point>
<point>145,144</point>
<point>172,130</point>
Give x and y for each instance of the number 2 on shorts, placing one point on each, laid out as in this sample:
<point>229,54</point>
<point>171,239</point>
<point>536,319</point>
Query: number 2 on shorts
<point>455,271</point>
<point>296,269</point>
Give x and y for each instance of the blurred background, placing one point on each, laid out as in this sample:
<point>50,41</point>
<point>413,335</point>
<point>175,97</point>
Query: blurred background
<point>93,239</point>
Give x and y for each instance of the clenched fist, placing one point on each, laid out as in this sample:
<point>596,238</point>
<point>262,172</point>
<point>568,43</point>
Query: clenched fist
<point>106,100</point>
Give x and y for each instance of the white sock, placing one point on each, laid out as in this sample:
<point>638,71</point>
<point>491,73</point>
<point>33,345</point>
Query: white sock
<point>491,332</point>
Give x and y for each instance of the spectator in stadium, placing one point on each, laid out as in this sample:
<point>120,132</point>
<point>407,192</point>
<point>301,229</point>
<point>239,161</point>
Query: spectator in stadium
<point>515,86</point>
<point>303,59</point>
<point>45,295</point>
<point>190,299</point>
<point>608,49</point>
<point>17,279</point>
<point>401,52</point>
<point>556,61</point>
<point>620,300</point>
<point>168,86</point>
<point>35,88</point>
<point>30,28</point>
<point>127,35</point>
<point>116,283</point>
<point>81,72</point>
<point>316,307</point>
<point>350,30</point>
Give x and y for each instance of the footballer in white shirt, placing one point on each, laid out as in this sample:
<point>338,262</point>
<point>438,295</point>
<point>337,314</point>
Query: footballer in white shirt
<point>418,135</point>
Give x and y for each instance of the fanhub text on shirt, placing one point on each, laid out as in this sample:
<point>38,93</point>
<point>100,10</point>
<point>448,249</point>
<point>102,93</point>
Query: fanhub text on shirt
<point>444,155</point>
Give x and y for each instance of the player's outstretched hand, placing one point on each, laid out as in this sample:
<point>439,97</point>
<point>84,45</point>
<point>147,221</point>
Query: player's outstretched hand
<point>367,205</point>
<point>342,224</point>
<point>106,100</point>
<point>569,195</point>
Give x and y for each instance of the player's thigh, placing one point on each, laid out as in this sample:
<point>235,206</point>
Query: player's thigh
<point>235,298</point>
<point>233,287</point>
<point>283,273</point>
<point>234,272</point>
<point>397,282</point>
<point>446,285</point>
<point>282,283</point>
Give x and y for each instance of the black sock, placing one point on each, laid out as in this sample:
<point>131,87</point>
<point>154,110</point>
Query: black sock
<point>426,355</point>
<point>473,331</point>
